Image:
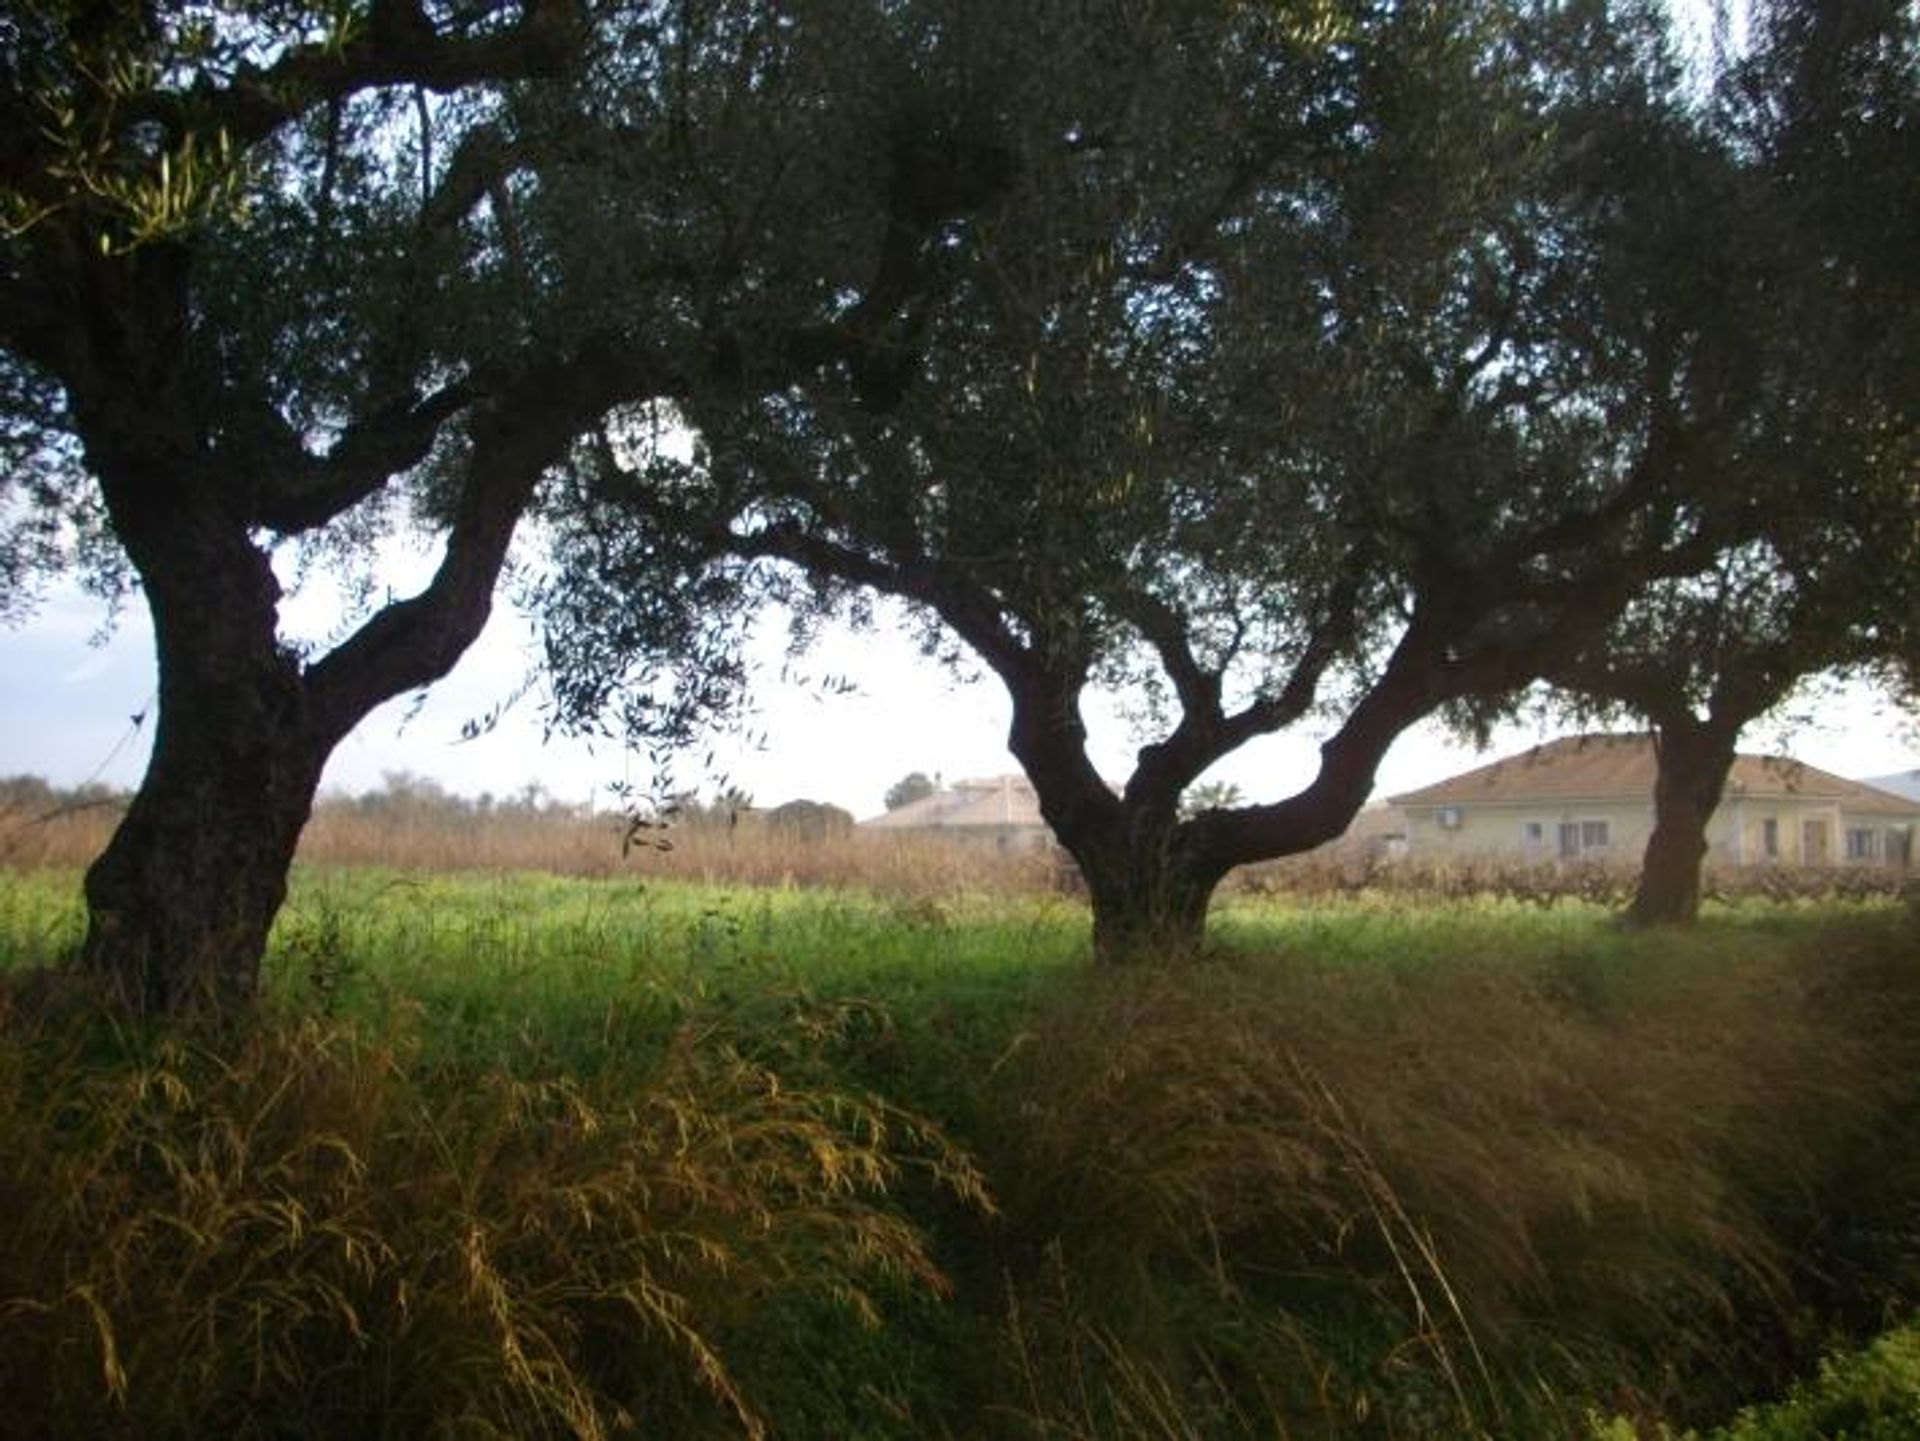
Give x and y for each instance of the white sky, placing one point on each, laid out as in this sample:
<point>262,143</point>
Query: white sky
<point>65,708</point>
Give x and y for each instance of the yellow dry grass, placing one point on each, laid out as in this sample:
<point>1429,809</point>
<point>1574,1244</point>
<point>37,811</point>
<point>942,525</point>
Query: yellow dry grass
<point>563,842</point>
<point>302,1231</point>
<point>1345,1181</point>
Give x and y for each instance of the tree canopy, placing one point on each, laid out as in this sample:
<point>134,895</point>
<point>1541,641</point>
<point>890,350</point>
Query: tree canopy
<point>1296,376</point>
<point>274,280</point>
<point>1804,389</point>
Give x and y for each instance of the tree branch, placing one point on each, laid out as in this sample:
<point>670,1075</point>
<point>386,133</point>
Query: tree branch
<point>1206,732</point>
<point>300,491</point>
<point>523,430</point>
<point>398,46</point>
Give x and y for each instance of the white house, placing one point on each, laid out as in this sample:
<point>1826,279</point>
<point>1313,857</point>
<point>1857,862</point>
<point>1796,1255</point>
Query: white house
<point>1590,797</point>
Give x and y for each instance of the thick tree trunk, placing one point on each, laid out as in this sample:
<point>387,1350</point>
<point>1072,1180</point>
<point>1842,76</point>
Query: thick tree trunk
<point>1148,886</point>
<point>1149,901</point>
<point>1694,760</point>
<point>180,902</point>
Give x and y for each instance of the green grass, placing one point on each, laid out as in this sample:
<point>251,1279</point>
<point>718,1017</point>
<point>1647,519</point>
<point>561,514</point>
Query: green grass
<point>1373,1168</point>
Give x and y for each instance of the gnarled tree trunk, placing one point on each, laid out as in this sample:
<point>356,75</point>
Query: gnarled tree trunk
<point>180,902</point>
<point>1694,761</point>
<point>1149,895</point>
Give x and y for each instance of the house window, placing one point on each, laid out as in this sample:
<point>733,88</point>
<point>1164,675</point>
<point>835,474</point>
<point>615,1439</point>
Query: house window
<point>1534,834</point>
<point>1863,843</point>
<point>1448,817</point>
<point>1770,838</point>
<point>1579,837</point>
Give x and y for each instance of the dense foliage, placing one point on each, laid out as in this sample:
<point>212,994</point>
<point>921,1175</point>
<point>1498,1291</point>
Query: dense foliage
<point>1297,368</point>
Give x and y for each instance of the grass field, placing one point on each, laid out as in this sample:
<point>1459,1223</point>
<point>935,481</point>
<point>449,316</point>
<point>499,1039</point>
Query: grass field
<point>520,1155</point>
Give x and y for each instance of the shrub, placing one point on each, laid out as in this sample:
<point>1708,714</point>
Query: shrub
<point>1866,1395</point>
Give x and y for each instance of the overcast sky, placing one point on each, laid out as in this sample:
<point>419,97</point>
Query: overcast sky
<point>66,706</point>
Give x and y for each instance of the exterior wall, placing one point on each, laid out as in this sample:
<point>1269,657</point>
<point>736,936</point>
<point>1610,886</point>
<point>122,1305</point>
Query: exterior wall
<point>1531,832</point>
<point>1891,839</point>
<point>1015,837</point>
<point>1777,830</point>
<point>1803,832</point>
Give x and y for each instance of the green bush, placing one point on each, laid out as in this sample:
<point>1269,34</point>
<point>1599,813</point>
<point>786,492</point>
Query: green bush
<point>1866,1395</point>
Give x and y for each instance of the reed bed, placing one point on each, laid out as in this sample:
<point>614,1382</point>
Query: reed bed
<point>452,836</point>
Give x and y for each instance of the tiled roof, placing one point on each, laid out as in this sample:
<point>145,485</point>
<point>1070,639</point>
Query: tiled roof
<point>1621,767</point>
<point>998,801</point>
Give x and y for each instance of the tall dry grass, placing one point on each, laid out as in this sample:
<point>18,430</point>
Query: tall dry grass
<point>565,841</point>
<point>434,832</point>
<point>1291,1200</point>
<point>55,834</point>
<point>302,1231</point>
<point>749,854</point>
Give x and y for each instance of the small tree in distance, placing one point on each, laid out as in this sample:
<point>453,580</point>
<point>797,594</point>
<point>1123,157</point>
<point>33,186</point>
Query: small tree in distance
<point>914,786</point>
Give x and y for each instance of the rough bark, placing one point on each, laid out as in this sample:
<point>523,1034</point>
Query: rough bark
<point>1148,881</point>
<point>1694,761</point>
<point>1149,903</point>
<point>181,901</point>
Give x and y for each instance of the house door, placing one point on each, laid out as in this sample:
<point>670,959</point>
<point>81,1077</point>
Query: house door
<point>1816,846</point>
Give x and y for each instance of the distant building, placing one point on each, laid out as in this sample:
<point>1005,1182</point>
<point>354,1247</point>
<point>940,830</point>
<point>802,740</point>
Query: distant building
<point>1001,810</point>
<point>1590,797</point>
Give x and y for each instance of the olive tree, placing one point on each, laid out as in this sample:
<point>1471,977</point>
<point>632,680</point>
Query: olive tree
<point>1300,374</point>
<point>275,279</point>
<point>1804,387</point>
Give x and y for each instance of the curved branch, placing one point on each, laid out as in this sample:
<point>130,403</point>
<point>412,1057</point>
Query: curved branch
<point>398,46</point>
<point>524,429</point>
<point>1206,732</point>
<point>301,491</point>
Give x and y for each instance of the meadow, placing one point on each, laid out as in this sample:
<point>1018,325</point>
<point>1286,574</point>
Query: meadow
<point>669,1150</point>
